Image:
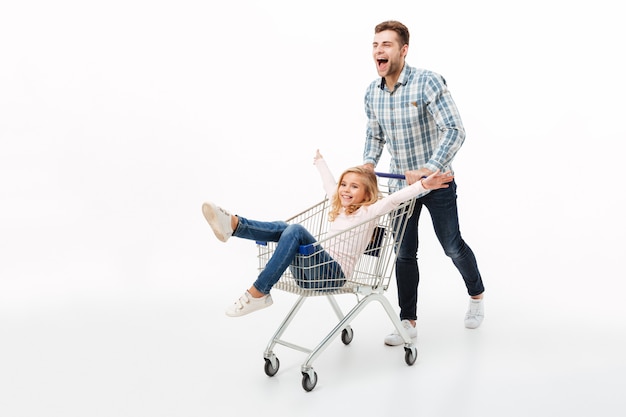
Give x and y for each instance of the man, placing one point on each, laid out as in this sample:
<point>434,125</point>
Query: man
<point>411,111</point>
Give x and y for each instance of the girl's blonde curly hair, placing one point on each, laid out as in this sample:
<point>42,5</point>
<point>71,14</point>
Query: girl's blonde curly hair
<point>372,194</point>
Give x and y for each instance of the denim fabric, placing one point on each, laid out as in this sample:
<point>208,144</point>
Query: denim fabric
<point>289,238</point>
<point>315,271</point>
<point>441,205</point>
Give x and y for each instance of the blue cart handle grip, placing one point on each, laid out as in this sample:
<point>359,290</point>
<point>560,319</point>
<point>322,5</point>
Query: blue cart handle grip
<point>385,175</point>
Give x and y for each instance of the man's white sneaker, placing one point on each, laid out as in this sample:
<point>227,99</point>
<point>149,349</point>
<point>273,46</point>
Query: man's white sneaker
<point>219,220</point>
<point>475,313</point>
<point>247,304</point>
<point>394,339</point>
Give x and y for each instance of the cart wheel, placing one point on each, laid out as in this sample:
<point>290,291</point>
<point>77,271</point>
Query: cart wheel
<point>309,383</point>
<point>346,335</point>
<point>410,355</point>
<point>269,369</point>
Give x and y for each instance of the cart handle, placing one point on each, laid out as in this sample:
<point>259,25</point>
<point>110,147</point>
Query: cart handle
<point>386,175</point>
<point>396,176</point>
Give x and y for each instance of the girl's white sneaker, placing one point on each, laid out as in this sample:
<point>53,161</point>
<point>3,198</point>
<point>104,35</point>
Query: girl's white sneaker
<point>247,304</point>
<point>219,220</point>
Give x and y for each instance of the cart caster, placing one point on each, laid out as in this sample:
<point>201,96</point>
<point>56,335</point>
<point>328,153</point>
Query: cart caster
<point>346,335</point>
<point>410,355</point>
<point>309,380</point>
<point>271,369</point>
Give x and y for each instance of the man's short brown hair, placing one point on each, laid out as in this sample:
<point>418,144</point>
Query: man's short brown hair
<point>399,28</point>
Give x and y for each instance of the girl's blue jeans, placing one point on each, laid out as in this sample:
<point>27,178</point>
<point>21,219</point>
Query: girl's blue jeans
<point>319,270</point>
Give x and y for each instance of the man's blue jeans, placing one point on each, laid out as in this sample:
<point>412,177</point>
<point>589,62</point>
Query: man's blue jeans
<point>441,205</point>
<point>309,271</point>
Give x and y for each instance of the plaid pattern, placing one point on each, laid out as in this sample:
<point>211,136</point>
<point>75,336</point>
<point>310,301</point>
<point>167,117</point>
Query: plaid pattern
<point>418,121</point>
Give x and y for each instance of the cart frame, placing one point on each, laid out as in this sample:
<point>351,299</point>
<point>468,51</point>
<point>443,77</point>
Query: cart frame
<point>369,281</point>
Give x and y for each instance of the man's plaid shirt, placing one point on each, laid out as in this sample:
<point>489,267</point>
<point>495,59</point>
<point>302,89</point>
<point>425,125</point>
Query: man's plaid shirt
<point>418,121</point>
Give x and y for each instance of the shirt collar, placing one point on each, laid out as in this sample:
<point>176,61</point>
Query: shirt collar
<point>402,79</point>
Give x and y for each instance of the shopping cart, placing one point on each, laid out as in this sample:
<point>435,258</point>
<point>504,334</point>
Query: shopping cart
<point>369,281</point>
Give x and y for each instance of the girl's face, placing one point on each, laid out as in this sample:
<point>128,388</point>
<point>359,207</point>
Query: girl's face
<point>351,189</point>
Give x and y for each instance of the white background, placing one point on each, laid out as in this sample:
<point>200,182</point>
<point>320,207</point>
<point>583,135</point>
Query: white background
<point>119,118</point>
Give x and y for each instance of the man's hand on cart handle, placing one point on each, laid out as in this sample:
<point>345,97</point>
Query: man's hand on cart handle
<point>417,175</point>
<point>369,167</point>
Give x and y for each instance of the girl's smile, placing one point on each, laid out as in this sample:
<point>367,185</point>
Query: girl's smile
<point>351,189</point>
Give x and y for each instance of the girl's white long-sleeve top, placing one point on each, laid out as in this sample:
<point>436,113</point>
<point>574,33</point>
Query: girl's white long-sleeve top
<point>347,246</point>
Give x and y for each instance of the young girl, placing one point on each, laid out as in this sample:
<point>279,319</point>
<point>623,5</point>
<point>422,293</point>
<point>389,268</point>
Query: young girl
<point>354,200</point>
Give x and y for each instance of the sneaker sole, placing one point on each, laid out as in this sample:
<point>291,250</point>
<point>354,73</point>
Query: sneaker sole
<point>473,324</point>
<point>211,218</point>
<point>396,340</point>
